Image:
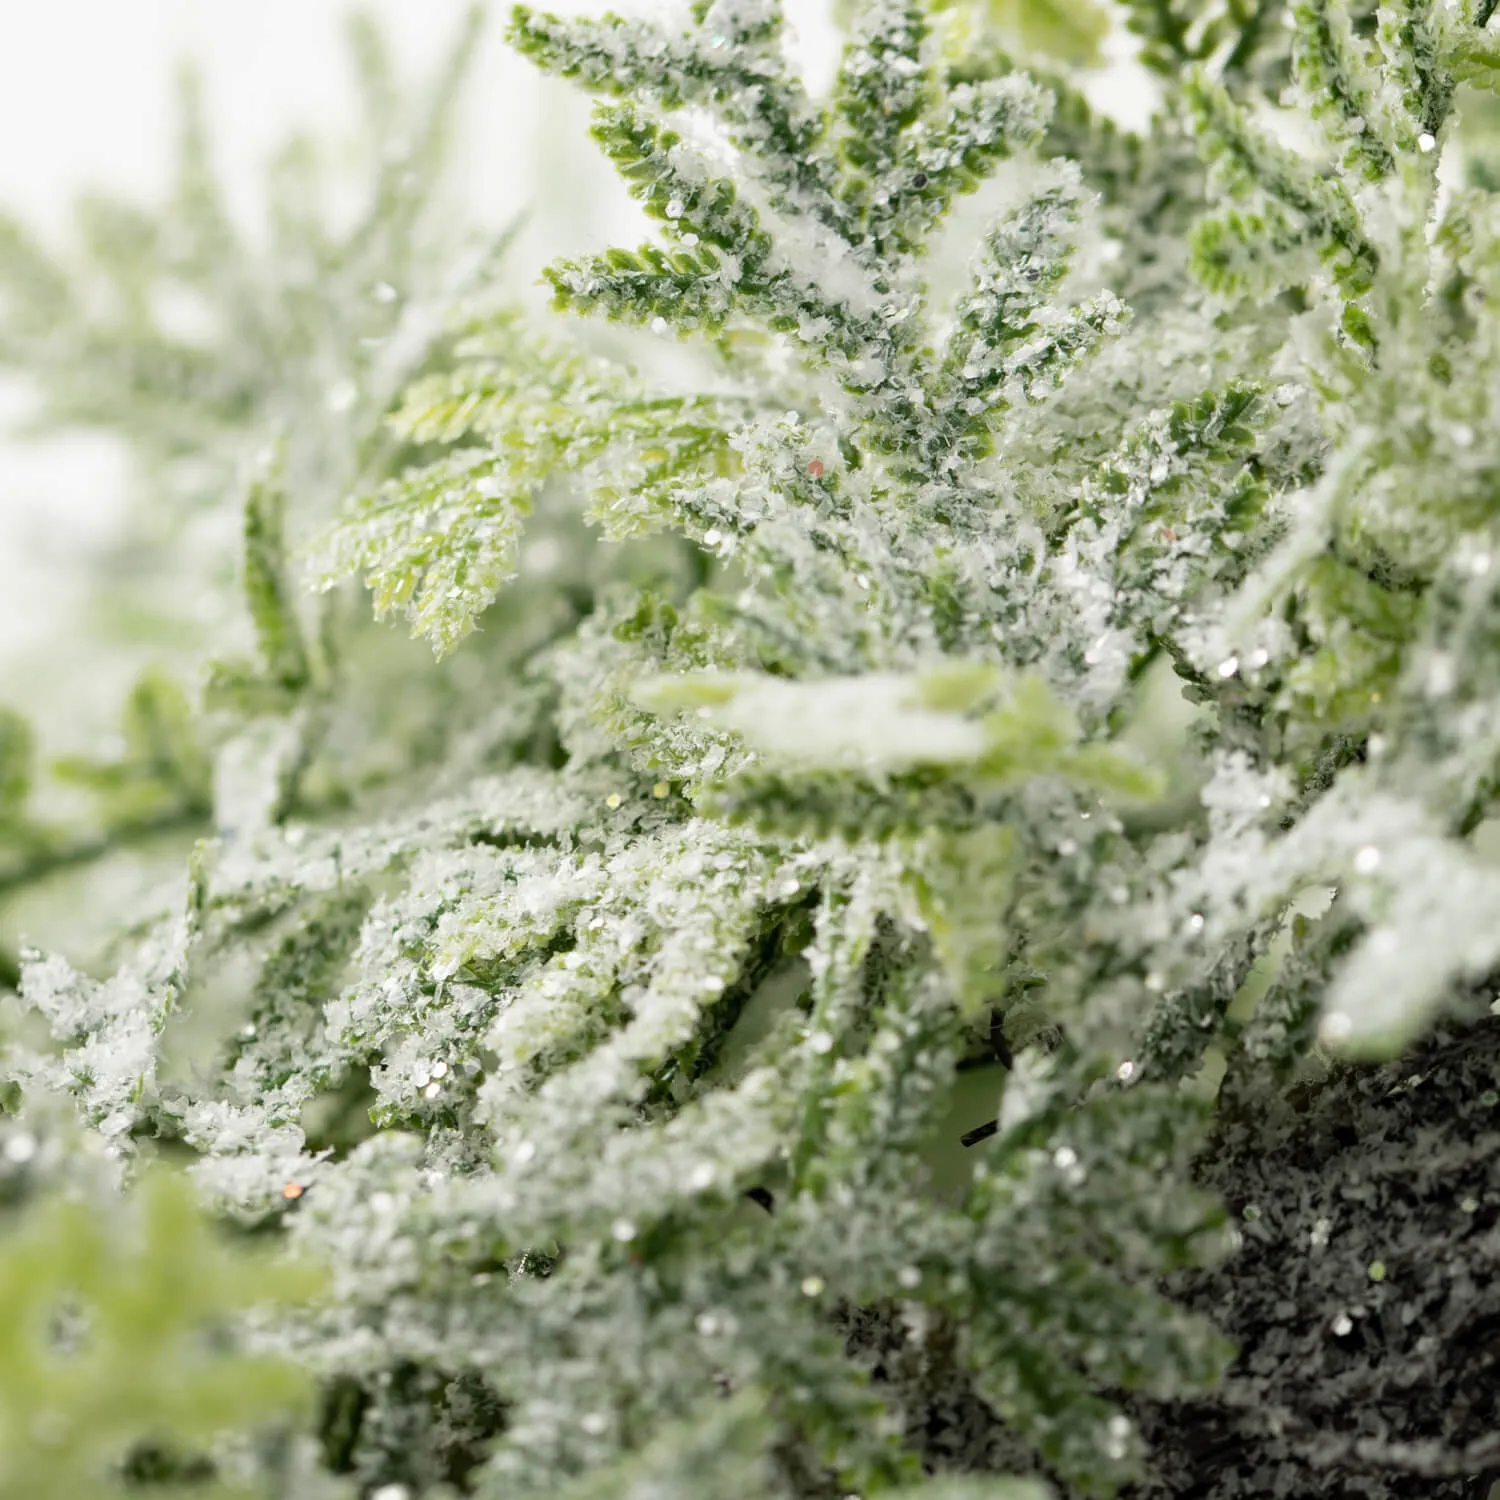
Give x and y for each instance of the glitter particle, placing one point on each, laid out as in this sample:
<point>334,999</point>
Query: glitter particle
<point>1367,861</point>
<point>1343,1325</point>
<point>813,1286</point>
<point>292,1190</point>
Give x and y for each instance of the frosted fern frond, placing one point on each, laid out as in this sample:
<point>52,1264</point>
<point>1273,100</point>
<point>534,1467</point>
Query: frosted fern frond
<point>1009,341</point>
<point>111,1029</point>
<point>912,412</point>
<point>605,986</point>
<point>1252,251</point>
<point>279,633</point>
<point>1344,91</point>
<point>876,547</point>
<point>1248,162</point>
<point>438,542</point>
<point>965,720</point>
<point>435,544</point>
<point>287,661</point>
<point>1176,511</point>
<point>731,68</point>
<point>1421,42</point>
<point>929,142</point>
<point>651,1185</point>
<point>879,95</point>
<point>1383,110</point>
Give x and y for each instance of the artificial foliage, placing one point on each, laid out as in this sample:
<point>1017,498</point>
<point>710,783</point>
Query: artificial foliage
<point>115,1355</point>
<point>930,930</point>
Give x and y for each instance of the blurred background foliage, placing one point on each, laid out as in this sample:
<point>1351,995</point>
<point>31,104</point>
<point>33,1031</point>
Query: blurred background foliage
<point>116,1352</point>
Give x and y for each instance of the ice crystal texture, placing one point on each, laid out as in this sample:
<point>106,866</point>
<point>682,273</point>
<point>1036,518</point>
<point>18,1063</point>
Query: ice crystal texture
<point>907,778</point>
